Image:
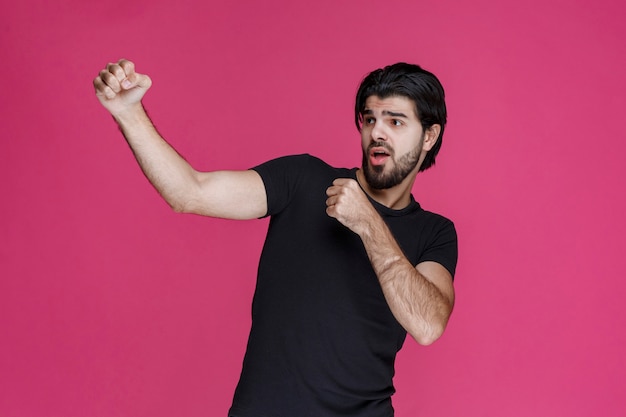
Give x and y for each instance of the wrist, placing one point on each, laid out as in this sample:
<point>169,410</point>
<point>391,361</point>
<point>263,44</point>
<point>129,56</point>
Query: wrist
<point>371,228</point>
<point>131,115</point>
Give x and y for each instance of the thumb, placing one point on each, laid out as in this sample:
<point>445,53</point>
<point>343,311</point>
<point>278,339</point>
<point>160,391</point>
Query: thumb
<point>136,80</point>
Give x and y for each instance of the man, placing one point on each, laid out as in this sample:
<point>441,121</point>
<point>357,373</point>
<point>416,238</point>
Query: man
<point>351,262</point>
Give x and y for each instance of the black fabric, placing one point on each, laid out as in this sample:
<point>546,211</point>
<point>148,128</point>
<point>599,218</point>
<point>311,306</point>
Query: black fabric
<point>323,340</point>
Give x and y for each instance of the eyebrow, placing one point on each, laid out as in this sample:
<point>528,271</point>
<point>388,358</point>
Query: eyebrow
<point>387,113</point>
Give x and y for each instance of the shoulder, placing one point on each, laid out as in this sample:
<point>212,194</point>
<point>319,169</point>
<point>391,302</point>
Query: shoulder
<point>295,165</point>
<point>436,225</point>
<point>290,160</point>
<point>425,227</point>
<point>295,178</point>
<point>437,219</point>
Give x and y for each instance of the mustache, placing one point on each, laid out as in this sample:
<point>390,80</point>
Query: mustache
<point>380,144</point>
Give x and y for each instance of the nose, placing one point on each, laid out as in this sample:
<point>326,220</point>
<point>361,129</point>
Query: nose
<point>378,131</point>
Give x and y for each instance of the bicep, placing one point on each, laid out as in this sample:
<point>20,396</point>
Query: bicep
<point>238,195</point>
<point>440,277</point>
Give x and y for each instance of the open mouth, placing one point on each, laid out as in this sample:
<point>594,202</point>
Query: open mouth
<point>378,156</point>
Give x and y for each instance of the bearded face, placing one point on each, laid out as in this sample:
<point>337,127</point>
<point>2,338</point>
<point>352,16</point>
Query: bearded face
<point>394,169</point>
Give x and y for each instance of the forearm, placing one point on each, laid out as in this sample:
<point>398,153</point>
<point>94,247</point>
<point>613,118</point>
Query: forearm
<point>418,305</point>
<point>167,170</point>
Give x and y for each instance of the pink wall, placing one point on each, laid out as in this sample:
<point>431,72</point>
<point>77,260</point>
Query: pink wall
<point>113,305</point>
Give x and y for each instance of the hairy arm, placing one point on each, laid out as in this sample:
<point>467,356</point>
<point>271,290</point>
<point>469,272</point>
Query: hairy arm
<point>422,297</point>
<point>227,194</point>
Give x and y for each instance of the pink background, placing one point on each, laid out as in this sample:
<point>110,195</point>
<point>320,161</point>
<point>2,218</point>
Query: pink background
<point>113,305</point>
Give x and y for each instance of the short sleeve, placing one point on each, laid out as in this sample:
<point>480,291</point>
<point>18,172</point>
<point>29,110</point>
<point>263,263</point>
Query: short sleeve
<point>443,246</point>
<point>281,177</point>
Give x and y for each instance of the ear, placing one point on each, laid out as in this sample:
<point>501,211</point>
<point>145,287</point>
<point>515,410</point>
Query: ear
<point>431,135</point>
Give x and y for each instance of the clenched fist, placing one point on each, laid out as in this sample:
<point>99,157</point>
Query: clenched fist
<point>119,88</point>
<point>348,203</point>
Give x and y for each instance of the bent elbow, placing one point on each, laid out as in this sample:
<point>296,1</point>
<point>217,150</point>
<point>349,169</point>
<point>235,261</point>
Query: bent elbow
<point>183,197</point>
<point>180,205</point>
<point>428,337</point>
<point>429,333</point>
<point>178,208</point>
<point>183,201</point>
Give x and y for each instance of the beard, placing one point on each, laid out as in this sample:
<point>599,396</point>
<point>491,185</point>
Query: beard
<point>376,176</point>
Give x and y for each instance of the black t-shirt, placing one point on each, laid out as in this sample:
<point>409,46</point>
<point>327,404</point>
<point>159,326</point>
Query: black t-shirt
<point>323,340</point>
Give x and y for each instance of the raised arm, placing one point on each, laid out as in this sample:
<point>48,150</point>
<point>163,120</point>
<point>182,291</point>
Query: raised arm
<point>226,194</point>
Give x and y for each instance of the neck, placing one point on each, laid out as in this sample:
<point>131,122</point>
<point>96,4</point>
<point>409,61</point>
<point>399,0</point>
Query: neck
<point>396,197</point>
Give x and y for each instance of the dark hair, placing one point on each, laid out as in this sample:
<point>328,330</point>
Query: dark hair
<point>414,83</point>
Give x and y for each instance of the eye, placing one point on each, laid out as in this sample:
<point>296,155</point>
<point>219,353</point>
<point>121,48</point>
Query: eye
<point>369,120</point>
<point>396,122</point>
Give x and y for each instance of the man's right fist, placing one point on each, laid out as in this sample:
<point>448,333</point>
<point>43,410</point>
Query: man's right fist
<point>119,88</point>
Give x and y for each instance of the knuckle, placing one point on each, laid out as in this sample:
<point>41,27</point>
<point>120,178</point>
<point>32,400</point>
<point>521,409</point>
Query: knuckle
<point>116,70</point>
<point>126,65</point>
<point>109,80</point>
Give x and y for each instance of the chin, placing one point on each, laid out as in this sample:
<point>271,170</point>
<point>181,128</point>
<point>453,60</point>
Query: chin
<point>379,180</point>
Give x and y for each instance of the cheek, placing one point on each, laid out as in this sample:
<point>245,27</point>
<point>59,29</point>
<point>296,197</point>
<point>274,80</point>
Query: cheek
<point>364,139</point>
<point>418,138</point>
